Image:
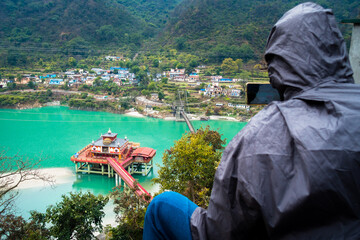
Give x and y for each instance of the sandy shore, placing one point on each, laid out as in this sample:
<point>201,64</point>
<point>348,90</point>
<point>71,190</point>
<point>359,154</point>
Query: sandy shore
<point>223,118</point>
<point>58,175</point>
<point>134,114</point>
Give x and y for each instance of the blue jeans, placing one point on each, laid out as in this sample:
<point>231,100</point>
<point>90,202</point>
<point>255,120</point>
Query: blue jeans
<point>168,217</point>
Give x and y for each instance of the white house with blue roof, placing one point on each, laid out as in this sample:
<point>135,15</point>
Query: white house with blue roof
<point>56,81</point>
<point>225,80</point>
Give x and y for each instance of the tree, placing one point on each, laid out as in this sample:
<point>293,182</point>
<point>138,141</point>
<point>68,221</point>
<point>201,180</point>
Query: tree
<point>229,66</point>
<point>83,95</point>
<point>31,85</point>
<point>193,63</point>
<point>173,52</point>
<point>155,63</point>
<point>180,65</point>
<point>15,170</point>
<point>246,52</point>
<point>35,228</point>
<point>151,86</point>
<point>16,227</point>
<point>12,227</point>
<point>145,92</point>
<point>135,69</point>
<point>164,80</point>
<point>97,82</point>
<point>125,103</point>
<point>161,95</point>
<point>77,216</point>
<point>143,77</point>
<point>72,62</point>
<point>19,35</point>
<point>239,63</point>
<point>189,166</point>
<point>130,213</point>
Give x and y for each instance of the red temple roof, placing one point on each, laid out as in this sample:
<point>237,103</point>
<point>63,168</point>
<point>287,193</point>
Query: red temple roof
<point>143,152</point>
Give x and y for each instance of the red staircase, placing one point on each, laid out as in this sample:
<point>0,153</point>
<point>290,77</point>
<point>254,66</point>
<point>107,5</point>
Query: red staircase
<point>125,175</point>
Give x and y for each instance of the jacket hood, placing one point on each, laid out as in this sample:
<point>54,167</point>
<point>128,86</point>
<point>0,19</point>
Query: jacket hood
<point>305,49</point>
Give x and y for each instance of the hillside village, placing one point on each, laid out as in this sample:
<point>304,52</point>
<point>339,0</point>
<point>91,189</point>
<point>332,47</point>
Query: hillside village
<point>122,76</point>
<point>205,94</point>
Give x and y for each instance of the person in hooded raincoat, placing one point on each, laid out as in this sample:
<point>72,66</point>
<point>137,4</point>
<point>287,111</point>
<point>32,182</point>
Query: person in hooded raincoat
<point>293,172</point>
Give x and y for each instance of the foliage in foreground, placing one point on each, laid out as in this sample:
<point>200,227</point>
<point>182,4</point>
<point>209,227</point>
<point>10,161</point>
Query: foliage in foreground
<point>15,227</point>
<point>77,216</point>
<point>189,166</point>
<point>130,213</point>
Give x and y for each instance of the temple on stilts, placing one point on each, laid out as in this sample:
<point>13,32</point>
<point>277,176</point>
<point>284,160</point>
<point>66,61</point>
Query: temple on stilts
<point>115,157</point>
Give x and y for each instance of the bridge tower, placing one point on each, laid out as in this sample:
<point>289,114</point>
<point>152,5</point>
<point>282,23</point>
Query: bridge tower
<point>178,107</point>
<point>180,114</point>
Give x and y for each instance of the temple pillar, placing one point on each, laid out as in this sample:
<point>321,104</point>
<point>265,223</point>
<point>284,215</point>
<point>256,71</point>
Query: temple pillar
<point>144,173</point>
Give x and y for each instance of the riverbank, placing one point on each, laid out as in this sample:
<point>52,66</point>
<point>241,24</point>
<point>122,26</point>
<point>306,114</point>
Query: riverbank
<point>192,117</point>
<point>28,98</point>
<point>58,97</point>
<point>134,113</point>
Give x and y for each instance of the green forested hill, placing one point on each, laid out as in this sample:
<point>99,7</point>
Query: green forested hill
<point>77,26</point>
<point>212,29</point>
<point>217,29</point>
<point>60,21</point>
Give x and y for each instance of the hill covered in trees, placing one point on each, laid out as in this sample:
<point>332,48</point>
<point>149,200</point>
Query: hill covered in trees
<point>43,21</point>
<point>211,29</point>
<point>78,26</point>
<point>217,29</point>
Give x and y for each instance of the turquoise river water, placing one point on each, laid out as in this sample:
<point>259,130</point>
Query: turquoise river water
<point>56,133</point>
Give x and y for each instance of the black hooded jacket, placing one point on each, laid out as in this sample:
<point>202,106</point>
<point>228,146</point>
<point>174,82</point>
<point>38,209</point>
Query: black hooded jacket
<point>294,171</point>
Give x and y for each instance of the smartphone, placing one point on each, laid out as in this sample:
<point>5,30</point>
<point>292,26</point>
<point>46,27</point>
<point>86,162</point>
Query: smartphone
<point>261,94</point>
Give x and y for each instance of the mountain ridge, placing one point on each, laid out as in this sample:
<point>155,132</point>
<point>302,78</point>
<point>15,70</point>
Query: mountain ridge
<point>211,29</point>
